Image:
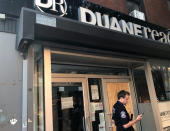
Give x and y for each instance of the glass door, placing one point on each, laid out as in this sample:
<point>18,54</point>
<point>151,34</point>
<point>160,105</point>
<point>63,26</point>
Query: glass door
<point>70,111</point>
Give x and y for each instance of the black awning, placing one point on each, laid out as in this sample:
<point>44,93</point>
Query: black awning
<point>83,35</point>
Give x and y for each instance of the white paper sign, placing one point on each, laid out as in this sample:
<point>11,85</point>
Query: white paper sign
<point>98,106</point>
<point>92,111</point>
<point>94,92</point>
<point>66,102</point>
<point>93,117</point>
<point>101,116</point>
<point>102,127</point>
<point>164,108</point>
<point>61,89</point>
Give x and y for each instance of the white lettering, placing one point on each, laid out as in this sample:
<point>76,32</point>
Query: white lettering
<point>163,39</point>
<point>83,12</point>
<point>114,24</point>
<point>168,38</point>
<point>146,30</point>
<point>127,27</point>
<point>44,5</point>
<point>87,16</point>
<point>137,30</point>
<point>154,34</point>
<point>102,21</point>
<point>62,6</point>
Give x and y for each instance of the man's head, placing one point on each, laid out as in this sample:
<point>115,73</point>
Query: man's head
<point>123,96</point>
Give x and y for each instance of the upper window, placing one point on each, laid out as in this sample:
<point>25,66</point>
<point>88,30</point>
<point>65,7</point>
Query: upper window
<point>133,5</point>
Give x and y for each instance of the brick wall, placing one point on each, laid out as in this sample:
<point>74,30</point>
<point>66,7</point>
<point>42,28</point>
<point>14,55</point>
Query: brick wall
<point>157,12</point>
<point>118,5</point>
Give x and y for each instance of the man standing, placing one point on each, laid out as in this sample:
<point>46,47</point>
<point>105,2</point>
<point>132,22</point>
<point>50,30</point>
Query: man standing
<point>120,115</point>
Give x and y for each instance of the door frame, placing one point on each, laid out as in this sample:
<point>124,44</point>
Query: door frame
<point>48,84</point>
<point>106,100</point>
<point>85,97</point>
<point>48,91</point>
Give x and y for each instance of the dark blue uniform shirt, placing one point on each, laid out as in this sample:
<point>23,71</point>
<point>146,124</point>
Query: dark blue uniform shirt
<point>121,117</point>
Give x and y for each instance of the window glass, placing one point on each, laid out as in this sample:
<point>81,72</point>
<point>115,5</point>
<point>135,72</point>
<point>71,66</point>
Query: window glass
<point>161,78</point>
<point>68,106</point>
<point>132,5</point>
<point>141,85</point>
<point>38,89</point>
<point>75,69</point>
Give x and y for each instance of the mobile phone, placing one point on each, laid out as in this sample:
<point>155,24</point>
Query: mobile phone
<point>142,113</point>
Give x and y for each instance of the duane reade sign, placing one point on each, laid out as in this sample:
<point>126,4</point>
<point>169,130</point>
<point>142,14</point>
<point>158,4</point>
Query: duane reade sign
<point>105,21</point>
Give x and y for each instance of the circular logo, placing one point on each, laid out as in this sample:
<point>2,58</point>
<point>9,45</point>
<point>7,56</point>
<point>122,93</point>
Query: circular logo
<point>57,7</point>
<point>123,114</point>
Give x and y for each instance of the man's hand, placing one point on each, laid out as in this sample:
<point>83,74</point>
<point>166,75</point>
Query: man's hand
<point>131,123</point>
<point>139,117</point>
<point>113,122</point>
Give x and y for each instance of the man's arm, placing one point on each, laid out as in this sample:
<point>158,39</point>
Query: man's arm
<point>139,117</point>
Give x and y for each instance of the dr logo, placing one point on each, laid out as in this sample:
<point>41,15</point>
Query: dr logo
<point>58,6</point>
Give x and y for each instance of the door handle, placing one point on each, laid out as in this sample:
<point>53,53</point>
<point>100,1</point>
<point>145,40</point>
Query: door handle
<point>84,124</point>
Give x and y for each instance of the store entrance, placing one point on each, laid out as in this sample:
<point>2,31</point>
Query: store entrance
<point>83,102</point>
<point>80,91</point>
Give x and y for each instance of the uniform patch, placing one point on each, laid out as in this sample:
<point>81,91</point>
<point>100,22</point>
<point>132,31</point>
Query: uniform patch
<point>123,114</point>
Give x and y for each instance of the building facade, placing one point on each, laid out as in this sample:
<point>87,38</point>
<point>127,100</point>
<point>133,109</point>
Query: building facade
<point>63,62</point>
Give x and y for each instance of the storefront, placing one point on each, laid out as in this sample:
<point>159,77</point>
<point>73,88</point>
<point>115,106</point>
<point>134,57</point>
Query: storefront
<point>74,68</point>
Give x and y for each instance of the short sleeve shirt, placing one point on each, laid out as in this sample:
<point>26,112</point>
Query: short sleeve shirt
<point>121,117</point>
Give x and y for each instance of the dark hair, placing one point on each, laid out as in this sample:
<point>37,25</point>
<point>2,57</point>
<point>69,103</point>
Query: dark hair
<point>122,94</point>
